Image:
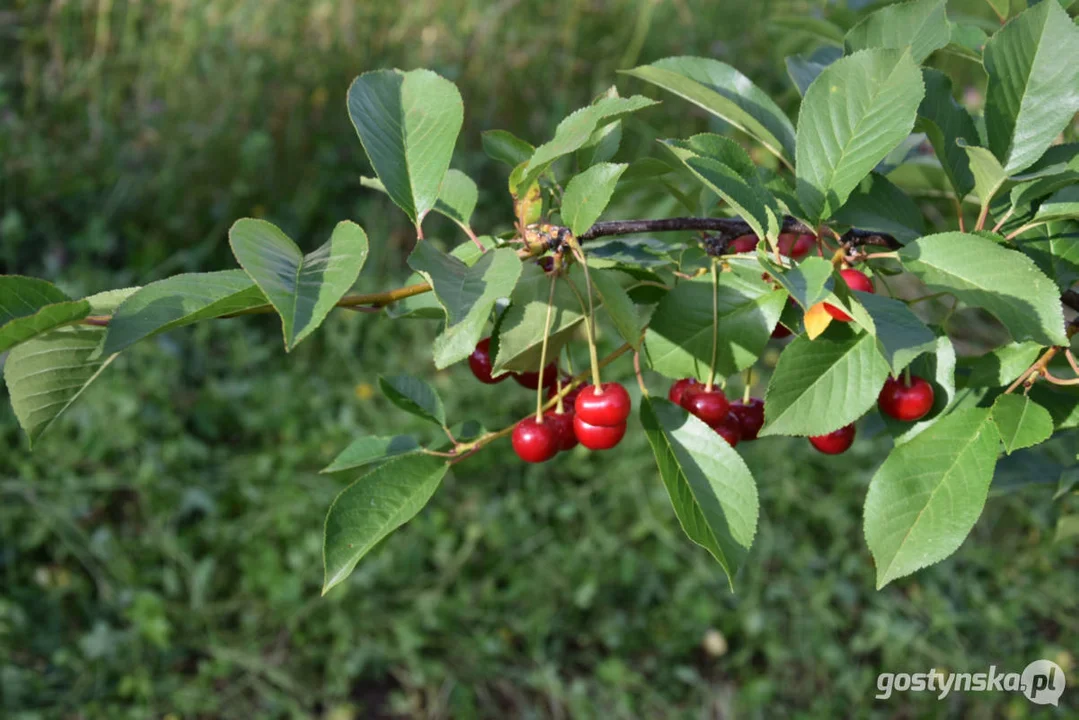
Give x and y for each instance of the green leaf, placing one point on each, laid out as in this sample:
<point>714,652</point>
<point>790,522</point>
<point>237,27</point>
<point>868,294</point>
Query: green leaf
<point>504,146</point>
<point>920,25</point>
<point>369,449</point>
<point>1033,89</point>
<point>821,385</point>
<point>425,306</point>
<point>520,334</point>
<point>408,123</point>
<point>726,93</point>
<point>1061,205</point>
<point>414,396</point>
<point>711,489</point>
<point>618,305</point>
<point>967,41</point>
<point>302,288</point>
<point>1001,366</point>
<point>374,506</point>
<point>679,338</point>
<point>31,307</point>
<point>727,170</point>
<point>177,301</point>
<point>816,27</point>
<point>876,204</point>
<point>466,292</point>
<point>806,282</point>
<point>587,195</point>
<point>988,174</point>
<point>47,374</point>
<point>984,274</point>
<point>1021,422</point>
<point>855,113</point>
<point>926,497</point>
<point>804,70</point>
<point>945,122</point>
<point>1067,528</point>
<point>901,336</point>
<point>938,368</point>
<point>575,131</point>
<point>457,199</point>
<point>1056,253</point>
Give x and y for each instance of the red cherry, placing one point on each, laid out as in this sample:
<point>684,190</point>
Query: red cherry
<point>547,263</point>
<point>563,425</point>
<point>906,402</point>
<point>780,331</point>
<point>569,398</point>
<point>678,389</point>
<point>751,417</point>
<point>531,380</point>
<point>598,437</point>
<point>744,243</point>
<point>729,428</point>
<point>610,407</point>
<point>480,362</point>
<point>856,280</point>
<point>834,443</point>
<point>710,406</point>
<point>535,442</point>
<point>796,246</point>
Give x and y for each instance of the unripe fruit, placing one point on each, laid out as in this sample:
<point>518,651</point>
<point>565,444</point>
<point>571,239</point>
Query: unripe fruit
<point>906,402</point>
<point>750,416</point>
<point>856,280</point>
<point>480,363</point>
<point>535,442</point>
<point>834,443</point>
<point>610,407</point>
<point>710,406</point>
<point>598,437</point>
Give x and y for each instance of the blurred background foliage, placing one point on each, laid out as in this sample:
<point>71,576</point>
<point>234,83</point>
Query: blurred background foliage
<point>161,550</point>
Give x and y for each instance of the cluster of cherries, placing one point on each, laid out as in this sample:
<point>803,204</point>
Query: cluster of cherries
<point>595,418</point>
<point>732,421</point>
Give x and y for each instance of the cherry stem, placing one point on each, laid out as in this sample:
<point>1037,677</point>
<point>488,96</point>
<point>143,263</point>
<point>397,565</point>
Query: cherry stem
<point>959,216</point>
<point>1071,361</point>
<point>1030,375</point>
<point>637,371</point>
<point>715,327</point>
<point>906,376</point>
<point>996,228</point>
<point>749,385</point>
<point>589,317</point>
<point>1058,381</point>
<point>543,353</point>
<point>560,408</point>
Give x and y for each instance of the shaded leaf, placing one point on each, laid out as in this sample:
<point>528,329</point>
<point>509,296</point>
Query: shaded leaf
<point>369,449</point>
<point>414,396</point>
<point>803,70</point>
<point>945,122</point>
<point>587,195</point>
<point>1021,422</point>
<point>618,305</point>
<point>876,204</point>
<point>920,25</point>
<point>30,307</point>
<point>506,147</point>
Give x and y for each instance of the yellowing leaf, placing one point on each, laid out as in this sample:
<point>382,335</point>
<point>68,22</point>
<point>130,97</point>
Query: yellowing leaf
<point>816,320</point>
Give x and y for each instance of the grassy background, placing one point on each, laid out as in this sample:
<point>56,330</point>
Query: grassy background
<point>161,550</point>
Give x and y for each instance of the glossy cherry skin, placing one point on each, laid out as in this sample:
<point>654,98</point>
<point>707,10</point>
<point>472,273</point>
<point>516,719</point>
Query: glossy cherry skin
<point>609,408</point>
<point>744,243</point>
<point>903,402</point>
<point>711,407</point>
<point>531,380</point>
<point>856,280</point>
<point>750,417</point>
<point>563,425</point>
<point>729,428</point>
<point>598,437</point>
<point>796,246</point>
<point>480,363</point>
<point>835,443</point>
<point>678,389</point>
<point>535,442</point>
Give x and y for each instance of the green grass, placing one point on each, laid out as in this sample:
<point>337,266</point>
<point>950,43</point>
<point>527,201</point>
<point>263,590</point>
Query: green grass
<point>160,550</point>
